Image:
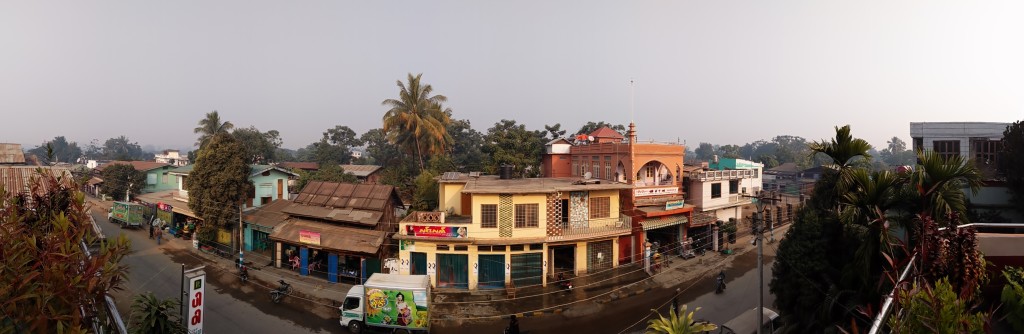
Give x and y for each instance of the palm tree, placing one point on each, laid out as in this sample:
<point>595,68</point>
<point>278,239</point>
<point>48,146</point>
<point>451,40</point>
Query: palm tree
<point>845,153</point>
<point>678,323</point>
<point>939,182</point>
<point>417,120</point>
<point>152,315</point>
<point>211,126</point>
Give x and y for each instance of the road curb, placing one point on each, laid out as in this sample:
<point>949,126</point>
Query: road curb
<point>540,313</point>
<point>631,294</point>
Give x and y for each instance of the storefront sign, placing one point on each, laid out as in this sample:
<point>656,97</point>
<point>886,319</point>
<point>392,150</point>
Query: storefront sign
<point>224,237</point>
<point>672,205</point>
<point>196,297</point>
<point>644,192</point>
<point>309,237</point>
<point>434,231</point>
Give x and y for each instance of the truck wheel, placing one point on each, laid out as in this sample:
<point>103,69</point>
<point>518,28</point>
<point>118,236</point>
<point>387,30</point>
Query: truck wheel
<point>355,327</point>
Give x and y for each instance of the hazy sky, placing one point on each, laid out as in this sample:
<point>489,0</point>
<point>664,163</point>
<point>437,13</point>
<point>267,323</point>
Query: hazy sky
<point>725,72</point>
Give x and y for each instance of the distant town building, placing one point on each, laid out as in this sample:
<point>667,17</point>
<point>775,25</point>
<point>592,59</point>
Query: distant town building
<point>172,157</point>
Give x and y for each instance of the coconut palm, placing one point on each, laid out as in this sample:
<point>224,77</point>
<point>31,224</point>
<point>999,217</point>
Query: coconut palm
<point>211,126</point>
<point>417,121</point>
<point>678,323</point>
<point>152,315</point>
<point>940,182</point>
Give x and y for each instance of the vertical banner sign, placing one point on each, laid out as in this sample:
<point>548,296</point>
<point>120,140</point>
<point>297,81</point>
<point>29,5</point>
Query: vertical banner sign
<point>431,269</point>
<point>476,269</point>
<point>196,298</point>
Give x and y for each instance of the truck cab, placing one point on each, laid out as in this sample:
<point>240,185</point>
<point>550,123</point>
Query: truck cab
<point>352,309</point>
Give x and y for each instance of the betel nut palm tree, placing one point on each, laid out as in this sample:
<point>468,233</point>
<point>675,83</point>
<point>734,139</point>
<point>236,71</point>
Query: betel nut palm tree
<point>210,126</point>
<point>417,121</point>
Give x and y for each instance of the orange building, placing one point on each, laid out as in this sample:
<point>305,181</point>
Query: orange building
<point>653,170</point>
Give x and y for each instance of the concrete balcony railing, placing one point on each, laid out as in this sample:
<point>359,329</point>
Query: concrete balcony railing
<point>718,175</point>
<point>590,228</point>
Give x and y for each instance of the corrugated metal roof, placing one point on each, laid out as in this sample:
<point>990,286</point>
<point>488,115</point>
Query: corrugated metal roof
<point>168,197</point>
<point>299,165</point>
<point>332,237</point>
<point>343,202</point>
<point>269,215</point>
<point>182,170</point>
<point>19,178</point>
<point>141,166</point>
<point>11,153</point>
<point>257,169</point>
<point>360,170</point>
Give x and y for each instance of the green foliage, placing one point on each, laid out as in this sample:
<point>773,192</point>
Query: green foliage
<point>258,147</point>
<point>466,155</point>
<point>45,275</point>
<point>151,315</point>
<point>927,309</point>
<point>897,153</point>
<point>1011,161</point>
<point>555,131</point>
<point>210,126</point>
<point>508,143</point>
<point>117,177</point>
<point>417,121</point>
<point>379,151</point>
<point>424,196</point>
<point>328,173</point>
<point>218,184</point>
<point>1013,297</point>
<point>678,323</point>
<point>591,126</point>
<point>63,151</point>
<point>121,148</point>
<point>802,271</point>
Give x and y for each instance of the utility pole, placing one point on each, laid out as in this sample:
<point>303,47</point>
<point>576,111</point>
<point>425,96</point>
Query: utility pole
<point>241,237</point>
<point>127,192</point>
<point>761,202</point>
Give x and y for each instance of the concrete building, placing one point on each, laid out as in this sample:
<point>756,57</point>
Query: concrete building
<point>654,200</point>
<point>171,157</point>
<point>493,232</point>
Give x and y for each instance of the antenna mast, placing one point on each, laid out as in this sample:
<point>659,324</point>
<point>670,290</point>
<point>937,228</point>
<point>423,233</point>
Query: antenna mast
<point>632,110</point>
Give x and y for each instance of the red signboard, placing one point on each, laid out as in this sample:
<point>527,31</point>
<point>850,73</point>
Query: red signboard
<point>434,231</point>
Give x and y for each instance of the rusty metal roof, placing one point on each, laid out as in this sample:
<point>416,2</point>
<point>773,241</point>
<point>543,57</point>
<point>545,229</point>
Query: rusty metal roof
<point>18,179</point>
<point>299,165</point>
<point>343,202</point>
<point>332,237</point>
<point>269,215</point>
<point>360,170</point>
<point>11,153</point>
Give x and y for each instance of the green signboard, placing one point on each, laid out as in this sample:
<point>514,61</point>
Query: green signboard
<point>395,308</point>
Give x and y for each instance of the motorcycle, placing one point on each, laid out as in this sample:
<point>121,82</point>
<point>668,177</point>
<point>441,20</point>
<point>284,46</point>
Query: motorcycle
<point>243,272</point>
<point>277,294</point>
<point>720,283</point>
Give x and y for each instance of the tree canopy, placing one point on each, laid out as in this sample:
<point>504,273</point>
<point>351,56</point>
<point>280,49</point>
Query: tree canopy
<point>1011,160</point>
<point>46,275</point>
<point>592,126</point>
<point>117,177</point>
<point>210,126</point>
<point>508,143</point>
<point>63,151</point>
<point>218,184</point>
<point>417,121</point>
<point>121,148</point>
<point>258,147</point>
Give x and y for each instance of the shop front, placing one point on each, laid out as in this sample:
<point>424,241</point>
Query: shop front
<point>333,252</point>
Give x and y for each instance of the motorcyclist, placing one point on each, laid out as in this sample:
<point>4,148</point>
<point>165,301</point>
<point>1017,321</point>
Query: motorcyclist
<point>513,325</point>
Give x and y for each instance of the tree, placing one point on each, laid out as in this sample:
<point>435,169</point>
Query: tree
<point>679,323</point>
<point>1011,162</point>
<point>897,154</point>
<point>121,148</point>
<point>152,315</point>
<point>802,270</point>
<point>417,121</point>
<point>555,131</point>
<point>586,129</point>
<point>63,151</point>
<point>218,185</point>
<point>327,173</point>
<point>425,194</point>
<point>335,146</point>
<point>258,147</point>
<point>508,143</point>
<point>209,127</point>
<point>705,151</point>
<point>466,152</point>
<point>730,151</point>
<point>118,177</point>
<point>93,150</point>
<point>379,150</point>
<point>47,278</point>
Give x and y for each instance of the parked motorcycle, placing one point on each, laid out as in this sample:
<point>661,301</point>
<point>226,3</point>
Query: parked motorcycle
<point>565,284</point>
<point>720,283</point>
<point>277,294</point>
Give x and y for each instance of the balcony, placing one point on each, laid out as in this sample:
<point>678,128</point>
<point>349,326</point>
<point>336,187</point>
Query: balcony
<point>593,228</point>
<point>719,175</point>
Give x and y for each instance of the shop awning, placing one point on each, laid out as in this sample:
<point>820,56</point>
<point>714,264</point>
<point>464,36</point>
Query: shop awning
<point>329,236</point>
<point>651,224</point>
<point>168,197</point>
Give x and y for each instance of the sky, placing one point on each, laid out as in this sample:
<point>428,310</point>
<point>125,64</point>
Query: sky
<point>724,72</point>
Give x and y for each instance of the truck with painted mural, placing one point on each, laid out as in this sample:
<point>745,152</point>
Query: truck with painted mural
<point>388,301</point>
<point>127,214</point>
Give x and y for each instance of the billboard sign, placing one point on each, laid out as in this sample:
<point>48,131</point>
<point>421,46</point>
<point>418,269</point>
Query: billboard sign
<point>434,231</point>
<point>672,205</point>
<point>309,237</point>
<point>644,192</point>
<point>196,298</point>
<point>396,308</point>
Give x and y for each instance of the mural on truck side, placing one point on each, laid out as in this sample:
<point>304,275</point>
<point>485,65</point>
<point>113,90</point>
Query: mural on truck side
<point>396,308</point>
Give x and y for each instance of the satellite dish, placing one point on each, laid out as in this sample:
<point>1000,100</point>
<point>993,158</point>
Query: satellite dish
<point>590,138</point>
<point>587,176</point>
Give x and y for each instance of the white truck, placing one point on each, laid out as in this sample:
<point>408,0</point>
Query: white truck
<point>396,302</point>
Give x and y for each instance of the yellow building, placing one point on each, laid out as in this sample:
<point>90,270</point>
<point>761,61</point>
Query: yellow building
<point>491,232</point>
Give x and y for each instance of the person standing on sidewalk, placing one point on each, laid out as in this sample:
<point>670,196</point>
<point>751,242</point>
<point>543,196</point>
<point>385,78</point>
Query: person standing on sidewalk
<point>159,235</point>
<point>151,228</point>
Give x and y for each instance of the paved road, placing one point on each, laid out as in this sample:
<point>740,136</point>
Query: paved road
<point>629,315</point>
<point>229,309</point>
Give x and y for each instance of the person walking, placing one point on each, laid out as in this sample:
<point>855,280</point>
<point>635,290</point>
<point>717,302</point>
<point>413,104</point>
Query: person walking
<point>159,235</point>
<point>513,325</point>
<point>151,229</point>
